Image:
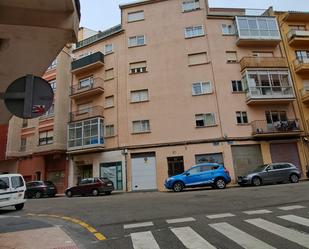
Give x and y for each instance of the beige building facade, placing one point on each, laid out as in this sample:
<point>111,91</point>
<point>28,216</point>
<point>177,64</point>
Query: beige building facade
<point>176,84</point>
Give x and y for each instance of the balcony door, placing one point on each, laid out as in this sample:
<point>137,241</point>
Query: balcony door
<point>275,119</point>
<point>302,56</point>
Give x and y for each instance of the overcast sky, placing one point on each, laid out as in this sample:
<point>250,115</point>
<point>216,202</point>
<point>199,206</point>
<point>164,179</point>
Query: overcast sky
<point>103,14</point>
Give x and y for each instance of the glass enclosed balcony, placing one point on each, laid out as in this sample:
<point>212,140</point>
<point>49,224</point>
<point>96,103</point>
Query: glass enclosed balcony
<point>257,31</point>
<point>268,86</point>
<point>86,134</point>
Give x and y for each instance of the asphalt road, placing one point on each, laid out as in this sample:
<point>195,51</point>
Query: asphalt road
<point>193,219</point>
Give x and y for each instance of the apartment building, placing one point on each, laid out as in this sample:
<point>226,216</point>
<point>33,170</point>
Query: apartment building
<point>294,27</point>
<point>179,83</point>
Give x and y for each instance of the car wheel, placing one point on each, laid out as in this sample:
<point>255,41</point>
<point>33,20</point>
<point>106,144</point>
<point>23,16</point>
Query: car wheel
<point>69,193</point>
<point>95,192</point>
<point>220,183</point>
<point>38,195</point>
<point>294,178</point>
<point>19,206</point>
<point>108,192</point>
<point>178,187</point>
<point>256,181</point>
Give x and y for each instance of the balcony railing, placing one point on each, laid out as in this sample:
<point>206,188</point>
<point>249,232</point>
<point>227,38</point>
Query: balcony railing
<point>301,65</point>
<point>96,111</point>
<point>298,37</point>
<point>261,127</point>
<point>263,62</point>
<point>94,86</point>
<point>93,60</point>
<point>267,92</point>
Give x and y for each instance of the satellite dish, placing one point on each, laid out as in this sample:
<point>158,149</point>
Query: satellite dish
<point>29,97</point>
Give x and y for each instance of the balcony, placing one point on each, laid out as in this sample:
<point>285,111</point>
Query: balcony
<point>96,111</point>
<point>288,128</point>
<point>91,88</point>
<point>90,62</point>
<point>301,66</point>
<point>304,93</point>
<point>263,62</point>
<point>257,31</point>
<point>298,38</point>
<point>86,136</point>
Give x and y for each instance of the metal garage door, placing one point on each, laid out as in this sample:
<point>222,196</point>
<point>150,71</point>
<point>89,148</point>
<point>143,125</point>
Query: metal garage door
<point>246,158</point>
<point>285,152</point>
<point>144,172</point>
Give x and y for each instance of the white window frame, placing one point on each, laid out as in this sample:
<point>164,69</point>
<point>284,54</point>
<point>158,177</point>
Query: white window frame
<point>110,51</point>
<point>89,80</point>
<point>136,18</point>
<point>202,88</point>
<point>230,28</point>
<point>192,31</point>
<point>195,3</point>
<point>204,119</point>
<point>49,139</point>
<point>144,126</point>
<point>242,115</point>
<point>140,97</point>
<point>133,41</point>
<point>136,70</point>
<point>108,129</point>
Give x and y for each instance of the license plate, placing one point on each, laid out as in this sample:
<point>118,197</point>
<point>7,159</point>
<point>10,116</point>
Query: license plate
<point>109,184</point>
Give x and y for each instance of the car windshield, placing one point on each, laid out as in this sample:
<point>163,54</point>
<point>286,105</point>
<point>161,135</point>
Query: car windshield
<point>259,168</point>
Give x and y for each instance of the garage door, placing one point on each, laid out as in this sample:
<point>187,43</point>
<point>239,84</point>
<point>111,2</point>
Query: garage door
<point>144,172</point>
<point>285,152</point>
<point>246,158</point>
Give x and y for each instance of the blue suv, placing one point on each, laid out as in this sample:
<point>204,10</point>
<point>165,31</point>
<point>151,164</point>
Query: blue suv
<point>205,174</point>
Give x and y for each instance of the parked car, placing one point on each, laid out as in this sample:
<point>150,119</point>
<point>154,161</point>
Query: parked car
<point>206,174</point>
<point>40,189</point>
<point>91,186</point>
<point>12,191</point>
<point>271,173</point>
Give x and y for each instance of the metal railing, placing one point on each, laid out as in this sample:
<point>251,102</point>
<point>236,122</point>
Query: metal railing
<point>87,60</point>
<point>304,91</point>
<point>263,62</point>
<point>263,127</point>
<point>301,62</point>
<point>96,111</point>
<point>270,92</point>
<point>298,33</point>
<point>93,83</point>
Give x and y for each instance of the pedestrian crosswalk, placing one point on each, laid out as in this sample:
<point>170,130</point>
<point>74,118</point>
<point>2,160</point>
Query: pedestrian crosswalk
<point>195,237</point>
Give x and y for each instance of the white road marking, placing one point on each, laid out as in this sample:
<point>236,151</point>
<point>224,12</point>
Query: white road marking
<point>180,220</point>
<point>191,239</point>
<point>296,219</point>
<point>217,216</point>
<point>241,238</point>
<point>136,225</point>
<point>286,233</point>
<point>144,240</point>
<point>8,216</point>
<point>287,208</point>
<point>260,211</point>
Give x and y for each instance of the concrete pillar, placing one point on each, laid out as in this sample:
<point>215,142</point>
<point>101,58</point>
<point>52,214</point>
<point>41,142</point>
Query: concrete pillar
<point>265,149</point>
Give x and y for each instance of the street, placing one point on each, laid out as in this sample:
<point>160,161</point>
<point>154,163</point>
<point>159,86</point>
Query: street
<point>274,216</point>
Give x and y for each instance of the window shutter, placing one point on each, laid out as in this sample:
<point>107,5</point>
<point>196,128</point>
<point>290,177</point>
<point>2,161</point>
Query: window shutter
<point>195,59</point>
<point>109,74</point>
<point>137,65</point>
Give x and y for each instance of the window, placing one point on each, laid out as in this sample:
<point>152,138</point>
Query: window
<point>195,170</point>
<point>86,133</point>
<point>201,88</point>
<point>138,67</point>
<point>297,27</point>
<point>84,108</point>
<point>17,182</point>
<point>275,116</point>
<point>203,120</point>
<point>46,137</point>
<point>109,131</point>
<point>228,29</point>
<point>136,16</point>
<point>5,181</point>
<point>23,144</point>
<point>141,126</point>
<point>190,5</point>
<point>197,59</point>
<point>109,101</point>
<point>237,86</point>
<point>241,118</point>
<point>25,123</point>
<point>302,55</point>
<point>136,41</point>
<point>53,85</point>
<point>109,74</point>
<point>209,158</point>
<point>53,65</point>
<point>231,56</point>
<point>85,82</point>
<point>262,54</point>
<point>49,112</point>
<point>108,49</point>
<point>194,31</point>
<point>139,96</point>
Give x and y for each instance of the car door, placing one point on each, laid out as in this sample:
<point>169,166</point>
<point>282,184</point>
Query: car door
<point>207,174</point>
<point>269,174</point>
<point>193,176</point>
<point>5,195</point>
<point>18,188</point>
<point>88,186</point>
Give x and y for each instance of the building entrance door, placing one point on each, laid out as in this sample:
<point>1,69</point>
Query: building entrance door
<point>175,165</point>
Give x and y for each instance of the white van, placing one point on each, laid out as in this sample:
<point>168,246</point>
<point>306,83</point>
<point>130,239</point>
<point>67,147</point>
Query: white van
<point>12,191</point>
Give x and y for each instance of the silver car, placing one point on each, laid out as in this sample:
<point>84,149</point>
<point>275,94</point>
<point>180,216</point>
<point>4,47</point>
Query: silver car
<point>271,173</point>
